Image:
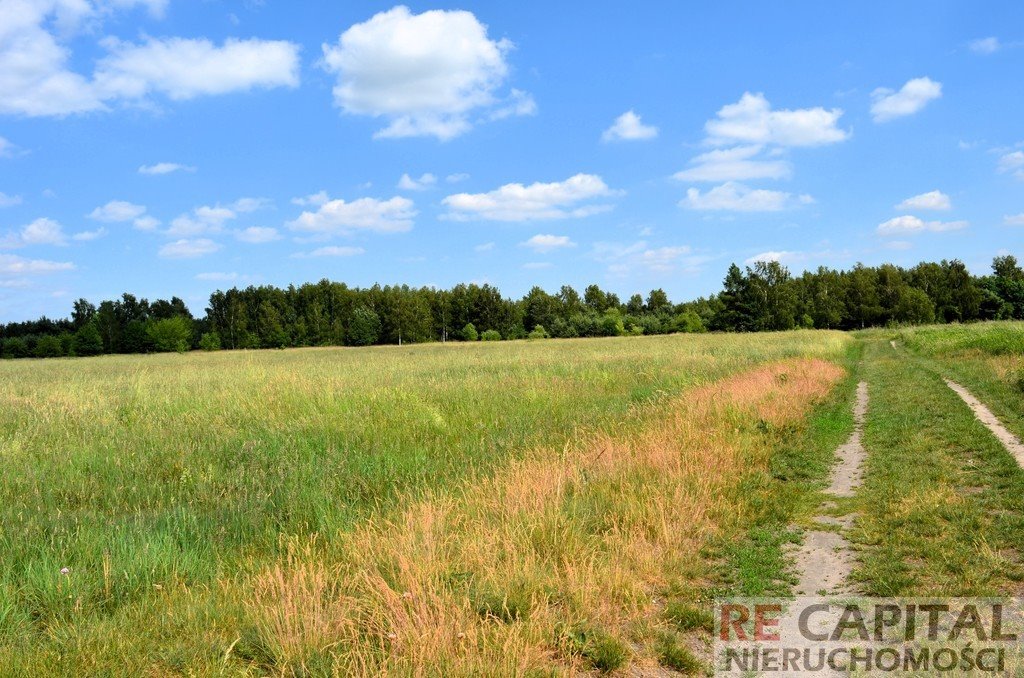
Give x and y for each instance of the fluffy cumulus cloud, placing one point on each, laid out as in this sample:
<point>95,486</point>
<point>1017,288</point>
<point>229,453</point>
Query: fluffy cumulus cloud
<point>890,104</point>
<point>543,243</point>
<point>338,217</point>
<point>407,183</point>
<point>736,197</point>
<point>629,127</point>
<point>165,168</point>
<point>425,74</point>
<point>36,78</point>
<point>7,148</point>
<point>751,120</point>
<point>117,211</point>
<point>780,256</point>
<point>42,231</point>
<point>932,200</point>
<point>909,224</point>
<point>538,201</point>
<point>208,219</point>
<point>186,248</point>
<point>734,164</point>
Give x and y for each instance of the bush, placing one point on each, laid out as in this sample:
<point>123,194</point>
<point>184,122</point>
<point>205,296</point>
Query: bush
<point>469,333</point>
<point>688,322</point>
<point>491,335</point>
<point>88,340</point>
<point>538,333</point>
<point>15,348</point>
<point>171,334</point>
<point>611,324</point>
<point>210,341</point>
<point>48,346</point>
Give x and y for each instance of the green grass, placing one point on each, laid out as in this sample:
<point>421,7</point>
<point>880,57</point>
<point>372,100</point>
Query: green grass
<point>987,358</point>
<point>160,480</point>
<point>942,508</point>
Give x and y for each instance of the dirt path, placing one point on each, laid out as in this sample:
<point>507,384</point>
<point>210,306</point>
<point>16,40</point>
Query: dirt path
<point>985,416</point>
<point>825,559</point>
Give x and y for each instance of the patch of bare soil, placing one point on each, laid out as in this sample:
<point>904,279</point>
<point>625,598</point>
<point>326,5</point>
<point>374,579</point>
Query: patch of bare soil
<point>991,422</point>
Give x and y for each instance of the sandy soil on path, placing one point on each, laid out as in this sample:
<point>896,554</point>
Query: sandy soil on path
<point>985,416</point>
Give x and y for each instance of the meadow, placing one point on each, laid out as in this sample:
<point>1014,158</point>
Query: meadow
<point>518,506</point>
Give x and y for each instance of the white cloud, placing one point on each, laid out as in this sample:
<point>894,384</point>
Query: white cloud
<point>1014,219</point>
<point>629,127</point>
<point>456,178</point>
<point>752,121</point>
<point>146,223</point>
<point>85,236</point>
<point>314,200</point>
<point>207,219</point>
<point>911,98</point>
<point>543,243</point>
<point>165,168</point>
<point>985,45</point>
<point>365,214</point>
<point>1012,162</point>
<point>732,196</point>
<point>908,224</point>
<point>188,249</point>
<point>187,68</point>
<point>9,200</point>
<point>537,265</point>
<point>35,56</point>
<point>484,247</point>
<point>538,201</point>
<point>518,103</point>
<point>639,257</point>
<point>734,164</point>
<point>13,265</point>
<point>780,256</point>
<point>258,234</point>
<point>42,231</point>
<point>6,148</point>
<point>117,211</point>
<point>932,200</point>
<point>407,183</point>
<point>423,73</point>
<point>332,251</point>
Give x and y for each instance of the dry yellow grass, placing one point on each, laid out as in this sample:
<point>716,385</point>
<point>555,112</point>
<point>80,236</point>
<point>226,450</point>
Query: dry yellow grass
<point>492,578</point>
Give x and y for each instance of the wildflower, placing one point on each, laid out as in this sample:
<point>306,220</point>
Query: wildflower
<point>65,571</point>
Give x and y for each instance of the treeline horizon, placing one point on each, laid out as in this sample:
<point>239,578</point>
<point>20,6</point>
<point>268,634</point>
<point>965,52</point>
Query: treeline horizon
<point>761,297</point>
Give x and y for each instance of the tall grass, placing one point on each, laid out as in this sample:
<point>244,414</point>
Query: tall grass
<point>265,511</point>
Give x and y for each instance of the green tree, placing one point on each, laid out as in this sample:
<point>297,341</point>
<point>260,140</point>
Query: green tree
<point>364,327</point>
<point>170,334</point>
<point>469,333</point>
<point>210,341</point>
<point>490,335</point>
<point>88,340</point>
<point>48,346</point>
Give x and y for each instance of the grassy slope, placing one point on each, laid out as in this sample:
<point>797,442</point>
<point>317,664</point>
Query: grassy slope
<point>158,479</point>
<point>942,509</point>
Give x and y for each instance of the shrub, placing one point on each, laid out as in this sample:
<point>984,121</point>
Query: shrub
<point>210,341</point>
<point>88,340</point>
<point>469,333</point>
<point>48,346</point>
<point>688,322</point>
<point>491,335</point>
<point>538,333</point>
<point>611,324</point>
<point>171,334</point>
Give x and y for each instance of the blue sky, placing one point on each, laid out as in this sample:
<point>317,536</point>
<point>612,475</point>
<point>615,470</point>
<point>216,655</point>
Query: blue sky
<point>170,148</point>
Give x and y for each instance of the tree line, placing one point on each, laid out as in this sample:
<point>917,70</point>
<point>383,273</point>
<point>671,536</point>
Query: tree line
<point>760,297</point>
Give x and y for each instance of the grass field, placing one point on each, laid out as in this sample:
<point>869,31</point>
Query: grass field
<point>517,508</point>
